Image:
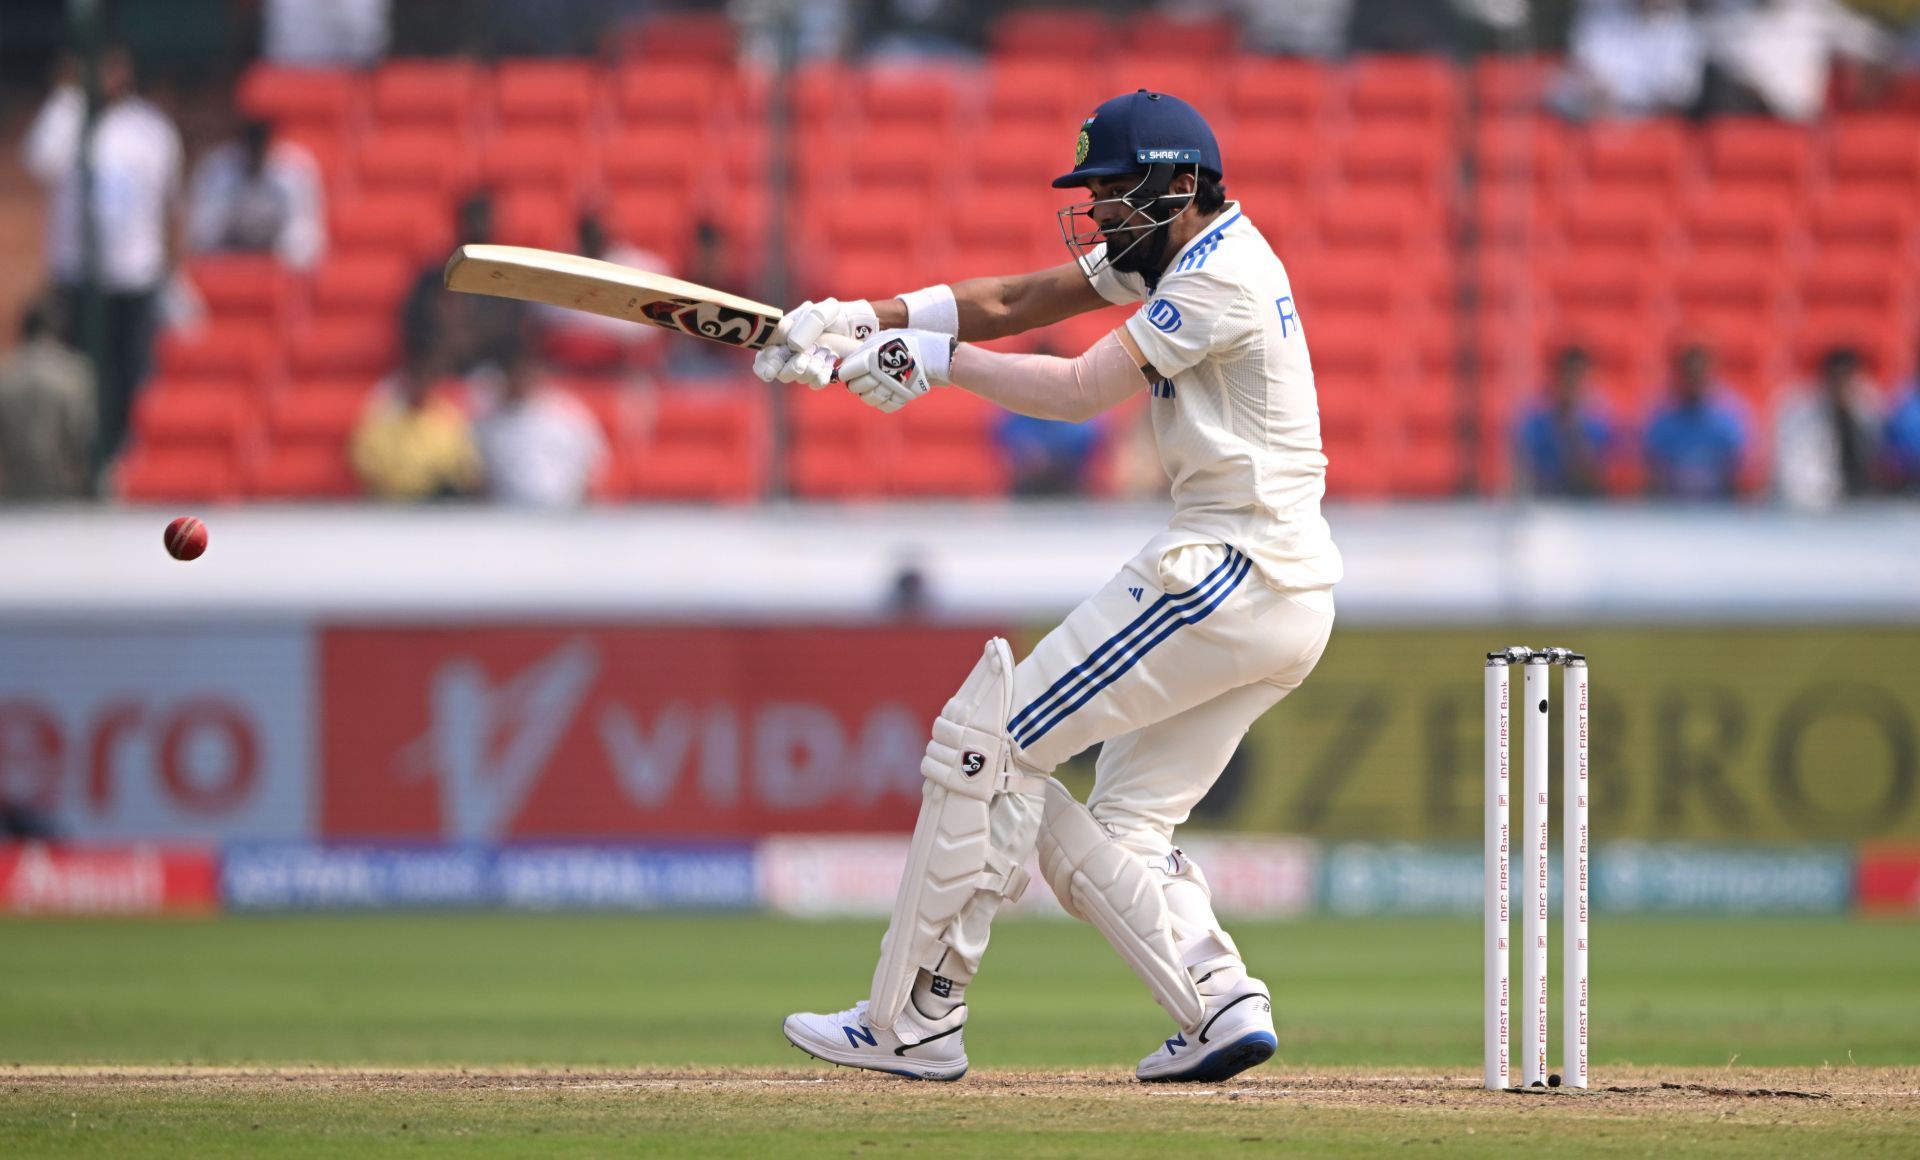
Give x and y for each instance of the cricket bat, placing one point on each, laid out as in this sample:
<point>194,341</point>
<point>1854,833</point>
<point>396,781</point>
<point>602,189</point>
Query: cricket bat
<point>618,292</point>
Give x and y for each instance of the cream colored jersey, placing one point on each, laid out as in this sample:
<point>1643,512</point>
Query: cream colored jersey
<point>1236,420</point>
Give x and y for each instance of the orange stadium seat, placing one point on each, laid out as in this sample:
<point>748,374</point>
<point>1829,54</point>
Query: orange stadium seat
<point>1747,285</point>
<point>415,160</point>
<point>896,156</point>
<point>1081,35</point>
<point>553,162</point>
<point>414,224</point>
<point>255,287</point>
<point>1388,158</point>
<point>1379,222</point>
<point>1536,150</point>
<point>362,283</point>
<point>319,413</point>
<point>839,446</point>
<point>1272,92</point>
<point>1869,222</point>
<point>927,98</point>
<point>356,347</point>
<point>1612,222</point>
<point>1743,151</point>
<point>1416,90</point>
<point>299,99</point>
<point>662,159</point>
<point>1857,282</point>
<point>704,443</point>
<point>672,94</point>
<point>1648,159</point>
<point>1511,86</point>
<point>562,96</point>
<point>1199,81</point>
<point>1759,222</point>
<point>156,475</point>
<point>535,216</point>
<point>822,92</point>
<point>181,414</point>
<point>1039,92</point>
<point>440,95</point>
<point>303,472</point>
<point>1877,151</point>
<point>947,449</point>
<point>1196,36</point>
<point>240,356</point>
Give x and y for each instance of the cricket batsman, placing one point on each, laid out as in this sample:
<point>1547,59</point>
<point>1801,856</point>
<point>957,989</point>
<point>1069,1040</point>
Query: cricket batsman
<point>1212,623</point>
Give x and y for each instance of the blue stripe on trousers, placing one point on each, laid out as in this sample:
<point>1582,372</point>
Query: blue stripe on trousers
<point>1118,640</point>
<point>1189,613</point>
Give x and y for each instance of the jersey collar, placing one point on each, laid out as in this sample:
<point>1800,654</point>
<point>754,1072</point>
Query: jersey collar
<point>1232,211</point>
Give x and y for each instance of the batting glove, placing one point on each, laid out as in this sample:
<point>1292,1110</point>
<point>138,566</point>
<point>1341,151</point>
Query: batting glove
<point>895,367</point>
<point>796,354</point>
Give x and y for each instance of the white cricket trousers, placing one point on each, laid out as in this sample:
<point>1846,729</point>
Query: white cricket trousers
<point>1169,664</point>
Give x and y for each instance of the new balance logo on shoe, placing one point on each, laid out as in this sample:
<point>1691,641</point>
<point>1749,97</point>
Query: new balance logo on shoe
<point>1176,1041</point>
<point>856,1034</point>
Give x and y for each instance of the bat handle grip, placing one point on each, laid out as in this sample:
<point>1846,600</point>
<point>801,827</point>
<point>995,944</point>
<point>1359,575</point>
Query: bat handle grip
<point>841,345</point>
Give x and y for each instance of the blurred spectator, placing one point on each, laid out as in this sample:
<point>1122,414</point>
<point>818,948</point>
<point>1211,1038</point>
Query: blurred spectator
<point>1902,440</point>
<point>1696,444</point>
<point>1632,58</point>
<point>1300,28</point>
<point>1825,436</point>
<point>47,413</point>
<point>462,332</point>
<point>902,31</point>
<point>336,32</point>
<point>539,446</point>
<point>20,822</point>
<point>1406,26</point>
<point>1776,56</point>
<point>579,342</point>
<point>128,227</point>
<point>413,442</point>
<point>258,195</point>
<point>907,597</point>
<point>1565,439</point>
<point>1044,457</point>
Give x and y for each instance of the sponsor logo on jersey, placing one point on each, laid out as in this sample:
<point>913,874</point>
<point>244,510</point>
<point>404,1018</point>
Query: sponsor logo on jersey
<point>1136,594</point>
<point>1164,315</point>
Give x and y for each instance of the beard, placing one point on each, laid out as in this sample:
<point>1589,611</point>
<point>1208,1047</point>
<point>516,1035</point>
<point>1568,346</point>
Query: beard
<point>1139,251</point>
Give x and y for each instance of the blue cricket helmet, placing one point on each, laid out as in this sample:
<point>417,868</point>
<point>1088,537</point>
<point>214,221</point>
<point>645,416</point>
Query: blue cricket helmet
<point>1130,133</point>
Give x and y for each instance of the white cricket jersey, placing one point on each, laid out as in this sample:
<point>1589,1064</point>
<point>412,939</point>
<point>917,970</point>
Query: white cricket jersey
<point>1237,421</point>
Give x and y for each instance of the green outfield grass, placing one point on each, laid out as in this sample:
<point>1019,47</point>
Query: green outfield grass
<point>1806,998</point>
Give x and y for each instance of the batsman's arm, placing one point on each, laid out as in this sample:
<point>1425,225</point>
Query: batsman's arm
<point>1045,387</point>
<point>996,307</point>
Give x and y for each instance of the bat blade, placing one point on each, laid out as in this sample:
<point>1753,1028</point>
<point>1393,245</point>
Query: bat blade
<point>614,290</point>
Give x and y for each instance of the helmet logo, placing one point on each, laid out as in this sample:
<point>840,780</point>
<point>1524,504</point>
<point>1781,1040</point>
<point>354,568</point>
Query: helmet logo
<point>1080,148</point>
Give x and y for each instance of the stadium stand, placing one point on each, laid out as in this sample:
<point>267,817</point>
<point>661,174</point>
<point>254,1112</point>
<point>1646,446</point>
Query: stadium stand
<point>1444,234</point>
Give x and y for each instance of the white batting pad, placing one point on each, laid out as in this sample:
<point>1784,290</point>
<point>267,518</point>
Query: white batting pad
<point>952,855</point>
<point>1103,882</point>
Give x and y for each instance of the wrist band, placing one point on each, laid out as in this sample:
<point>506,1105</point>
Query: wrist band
<point>933,309</point>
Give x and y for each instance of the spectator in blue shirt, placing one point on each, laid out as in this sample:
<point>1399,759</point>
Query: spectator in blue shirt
<point>1045,457</point>
<point>1564,439</point>
<point>1902,439</point>
<point>1696,443</point>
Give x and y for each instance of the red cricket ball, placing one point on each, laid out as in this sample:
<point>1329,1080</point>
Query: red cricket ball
<point>186,538</point>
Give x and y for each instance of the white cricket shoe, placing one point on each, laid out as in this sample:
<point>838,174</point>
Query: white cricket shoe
<point>1236,1034</point>
<point>915,1046</point>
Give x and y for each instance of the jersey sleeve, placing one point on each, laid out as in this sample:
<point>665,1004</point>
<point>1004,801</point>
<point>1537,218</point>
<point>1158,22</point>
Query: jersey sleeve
<point>1116,287</point>
<point>1190,315</point>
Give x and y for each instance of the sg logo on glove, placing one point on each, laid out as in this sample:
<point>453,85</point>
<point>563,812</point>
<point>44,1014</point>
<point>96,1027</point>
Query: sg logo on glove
<point>895,360</point>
